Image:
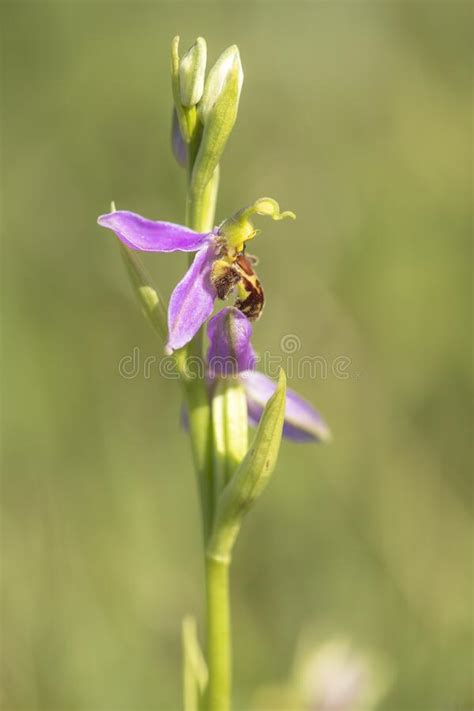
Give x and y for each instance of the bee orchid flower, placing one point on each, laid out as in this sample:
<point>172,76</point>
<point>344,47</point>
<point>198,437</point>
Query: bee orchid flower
<point>231,355</point>
<point>220,264</point>
<point>228,393</point>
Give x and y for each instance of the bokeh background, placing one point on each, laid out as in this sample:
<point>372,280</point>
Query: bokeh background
<point>356,116</point>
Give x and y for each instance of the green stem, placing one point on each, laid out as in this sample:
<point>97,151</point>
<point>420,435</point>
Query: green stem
<point>200,430</point>
<point>200,212</point>
<point>200,205</point>
<point>218,634</point>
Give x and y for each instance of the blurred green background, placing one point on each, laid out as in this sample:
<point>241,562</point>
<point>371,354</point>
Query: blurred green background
<point>356,115</point>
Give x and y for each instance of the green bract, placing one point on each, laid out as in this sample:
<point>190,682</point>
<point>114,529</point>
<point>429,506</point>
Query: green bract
<point>152,304</point>
<point>147,294</point>
<point>251,477</point>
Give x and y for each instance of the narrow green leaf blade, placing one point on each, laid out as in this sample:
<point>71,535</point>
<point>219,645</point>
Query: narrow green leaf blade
<point>195,672</point>
<point>147,294</point>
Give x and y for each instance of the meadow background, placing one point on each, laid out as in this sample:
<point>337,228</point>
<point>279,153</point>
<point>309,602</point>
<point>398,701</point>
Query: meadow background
<point>356,115</point>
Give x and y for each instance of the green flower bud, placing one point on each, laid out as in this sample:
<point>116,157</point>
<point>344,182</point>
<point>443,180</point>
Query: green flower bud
<point>192,71</point>
<point>180,113</point>
<point>226,71</point>
<point>217,111</point>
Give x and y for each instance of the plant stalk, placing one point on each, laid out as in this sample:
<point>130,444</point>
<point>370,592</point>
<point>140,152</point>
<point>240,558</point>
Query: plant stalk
<point>200,214</point>
<point>218,634</point>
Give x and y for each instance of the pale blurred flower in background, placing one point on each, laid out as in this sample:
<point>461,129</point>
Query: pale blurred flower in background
<point>336,675</point>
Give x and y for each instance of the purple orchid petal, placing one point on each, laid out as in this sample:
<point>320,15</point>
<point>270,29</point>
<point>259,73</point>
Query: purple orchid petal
<point>192,301</point>
<point>145,235</point>
<point>302,422</point>
<point>230,350</point>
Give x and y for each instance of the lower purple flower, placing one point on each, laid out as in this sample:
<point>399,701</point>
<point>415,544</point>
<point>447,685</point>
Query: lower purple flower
<point>231,353</point>
<point>302,422</point>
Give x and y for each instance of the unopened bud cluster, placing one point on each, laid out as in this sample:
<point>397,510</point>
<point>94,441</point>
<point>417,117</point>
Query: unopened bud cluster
<point>205,108</point>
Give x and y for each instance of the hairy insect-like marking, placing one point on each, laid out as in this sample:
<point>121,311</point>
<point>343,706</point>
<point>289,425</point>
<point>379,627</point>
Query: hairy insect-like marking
<point>224,277</point>
<point>230,272</point>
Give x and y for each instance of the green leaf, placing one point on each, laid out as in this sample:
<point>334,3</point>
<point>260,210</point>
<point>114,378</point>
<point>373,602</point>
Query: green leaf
<point>251,476</point>
<point>195,672</point>
<point>147,294</point>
